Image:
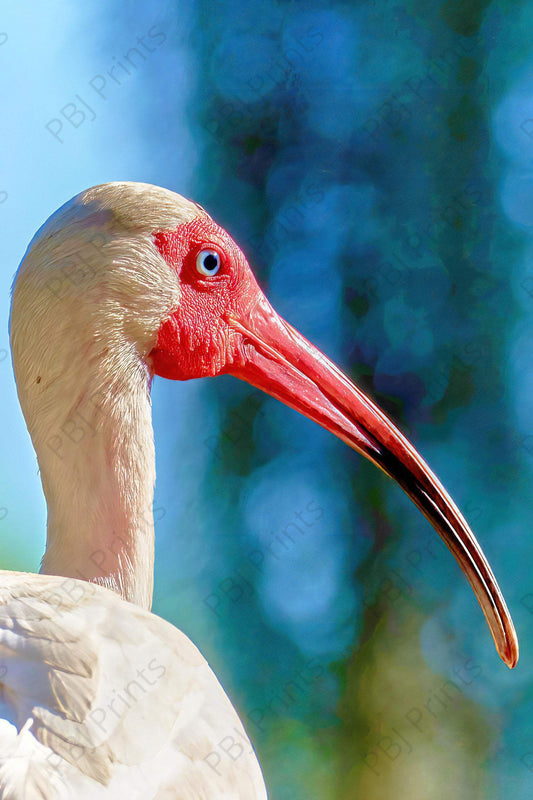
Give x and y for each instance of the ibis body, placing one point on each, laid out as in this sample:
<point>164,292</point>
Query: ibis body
<point>99,697</point>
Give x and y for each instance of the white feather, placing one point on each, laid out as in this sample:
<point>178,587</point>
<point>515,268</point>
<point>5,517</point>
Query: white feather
<point>102,699</point>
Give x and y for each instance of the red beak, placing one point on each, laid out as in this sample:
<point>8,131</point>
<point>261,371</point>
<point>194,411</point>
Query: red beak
<point>274,357</point>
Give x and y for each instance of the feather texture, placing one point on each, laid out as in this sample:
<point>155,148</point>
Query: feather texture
<point>102,699</point>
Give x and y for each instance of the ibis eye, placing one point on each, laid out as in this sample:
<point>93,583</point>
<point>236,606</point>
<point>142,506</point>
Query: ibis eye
<point>208,262</point>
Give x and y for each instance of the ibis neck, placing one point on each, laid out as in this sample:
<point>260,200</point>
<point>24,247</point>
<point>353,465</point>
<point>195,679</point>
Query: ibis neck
<point>97,465</point>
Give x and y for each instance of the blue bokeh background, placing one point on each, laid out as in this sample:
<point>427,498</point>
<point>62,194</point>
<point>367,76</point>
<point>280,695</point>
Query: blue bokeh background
<point>375,162</point>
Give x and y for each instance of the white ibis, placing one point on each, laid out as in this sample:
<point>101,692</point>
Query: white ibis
<point>98,697</point>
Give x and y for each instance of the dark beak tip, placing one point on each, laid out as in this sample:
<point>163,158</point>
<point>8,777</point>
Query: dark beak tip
<point>506,642</point>
<point>511,654</point>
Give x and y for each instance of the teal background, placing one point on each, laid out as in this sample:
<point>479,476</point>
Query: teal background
<point>375,162</point>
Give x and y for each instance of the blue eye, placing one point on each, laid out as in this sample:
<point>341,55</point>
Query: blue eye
<point>208,262</point>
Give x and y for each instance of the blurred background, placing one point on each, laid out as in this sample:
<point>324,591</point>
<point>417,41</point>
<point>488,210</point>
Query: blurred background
<point>375,162</point>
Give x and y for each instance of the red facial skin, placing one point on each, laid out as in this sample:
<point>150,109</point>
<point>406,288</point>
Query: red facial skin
<point>225,324</point>
<point>196,340</point>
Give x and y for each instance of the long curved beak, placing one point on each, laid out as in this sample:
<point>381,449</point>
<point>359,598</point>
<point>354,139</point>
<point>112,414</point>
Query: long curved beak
<point>274,357</point>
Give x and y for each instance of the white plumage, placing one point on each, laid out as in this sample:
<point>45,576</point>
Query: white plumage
<point>101,699</point>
